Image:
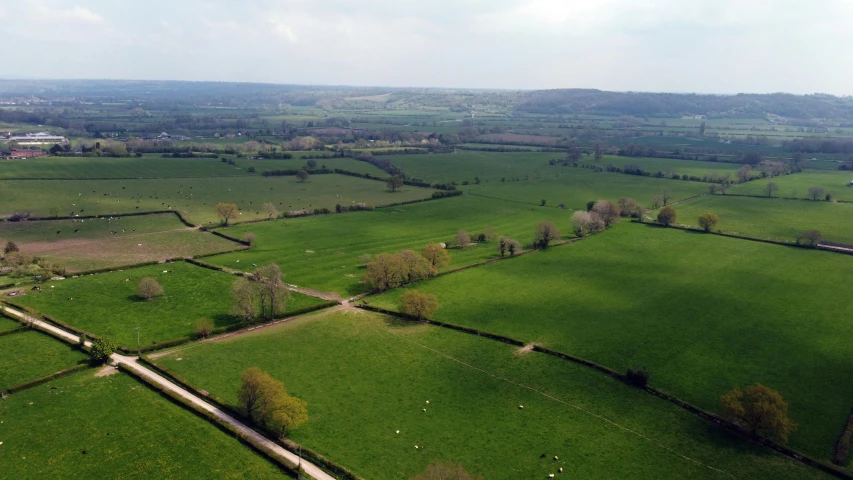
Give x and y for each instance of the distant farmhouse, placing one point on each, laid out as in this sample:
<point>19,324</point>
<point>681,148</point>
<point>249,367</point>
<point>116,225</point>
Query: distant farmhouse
<point>40,138</point>
<point>19,153</point>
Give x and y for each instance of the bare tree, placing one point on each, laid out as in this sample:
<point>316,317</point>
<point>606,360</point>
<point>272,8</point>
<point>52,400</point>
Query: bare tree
<point>271,210</point>
<point>463,238</point>
<point>271,289</point>
<point>148,288</point>
<point>545,233</point>
<point>657,200</point>
<point>226,211</point>
<point>244,293</point>
<point>415,267</point>
<point>744,173</point>
<point>811,238</point>
<point>385,271</point>
<point>666,195</point>
<point>771,188</point>
<point>394,182</point>
<point>628,207</point>
<point>817,193</point>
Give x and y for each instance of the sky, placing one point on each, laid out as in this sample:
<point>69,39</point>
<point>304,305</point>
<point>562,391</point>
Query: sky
<point>719,46</point>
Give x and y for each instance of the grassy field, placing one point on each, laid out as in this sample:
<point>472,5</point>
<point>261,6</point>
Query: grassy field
<point>113,427</point>
<point>574,187</point>
<point>8,324</point>
<point>773,219</point>
<point>702,313</point>
<point>106,304</point>
<point>466,164</point>
<point>383,373</point>
<point>196,197</point>
<point>89,244</point>
<point>654,165</point>
<point>31,355</point>
<point>798,184</point>
<point>323,252</point>
<point>148,166</point>
<point>348,164</point>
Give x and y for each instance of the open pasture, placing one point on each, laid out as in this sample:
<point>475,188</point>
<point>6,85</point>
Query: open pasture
<point>576,186</point>
<point>196,197</point>
<point>797,185</point>
<point>31,355</point>
<point>7,324</point>
<point>147,166</point>
<point>457,398</point>
<point>701,313</point>
<point>105,304</point>
<point>773,219</point>
<point>667,165</point>
<point>464,165</point>
<point>82,426</point>
<point>109,242</point>
<point>323,252</point>
<point>348,164</point>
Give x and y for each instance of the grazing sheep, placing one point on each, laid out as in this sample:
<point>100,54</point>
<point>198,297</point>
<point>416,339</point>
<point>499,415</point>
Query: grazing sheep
<point>556,458</point>
<point>561,470</point>
<point>542,456</point>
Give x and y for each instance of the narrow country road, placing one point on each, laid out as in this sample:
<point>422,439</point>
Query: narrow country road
<point>156,379</point>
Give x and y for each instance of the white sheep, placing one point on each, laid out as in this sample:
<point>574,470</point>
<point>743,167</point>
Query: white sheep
<point>521,407</point>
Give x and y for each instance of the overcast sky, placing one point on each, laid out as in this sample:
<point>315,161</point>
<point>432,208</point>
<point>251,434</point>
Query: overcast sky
<point>714,46</point>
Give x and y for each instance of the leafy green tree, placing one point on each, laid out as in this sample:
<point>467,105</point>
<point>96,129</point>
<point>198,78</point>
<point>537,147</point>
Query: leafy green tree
<point>419,305</point>
<point>759,410</point>
<point>384,272</point>
<point>436,255</point>
<point>811,238</point>
<point>771,188</point>
<point>101,350</point>
<point>302,176</point>
<point>708,221</point>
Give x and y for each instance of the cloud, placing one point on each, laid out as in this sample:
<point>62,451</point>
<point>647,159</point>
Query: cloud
<point>660,45</point>
<point>39,12</point>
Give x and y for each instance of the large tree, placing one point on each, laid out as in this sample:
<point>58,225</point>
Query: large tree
<point>708,221</point>
<point>226,211</point>
<point>667,216</point>
<point>415,267</point>
<point>419,305</point>
<point>384,272</point>
<point>545,233</point>
<point>101,349</point>
<point>436,255</point>
<point>811,238</point>
<point>608,211</point>
<point>759,410</point>
<point>744,173</point>
<point>394,182</point>
<point>817,193</point>
<point>271,290</point>
<point>148,288</point>
<point>302,175</point>
<point>244,293</point>
<point>265,400</point>
<point>771,188</point>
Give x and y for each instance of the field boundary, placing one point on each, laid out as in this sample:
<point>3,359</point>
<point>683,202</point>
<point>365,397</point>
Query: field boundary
<point>14,331</point>
<point>705,415</point>
<point>686,228</point>
<point>314,457</point>
<point>41,381</point>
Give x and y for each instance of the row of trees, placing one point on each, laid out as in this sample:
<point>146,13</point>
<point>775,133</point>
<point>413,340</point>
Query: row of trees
<point>265,401</point>
<point>391,270</point>
<point>261,294</point>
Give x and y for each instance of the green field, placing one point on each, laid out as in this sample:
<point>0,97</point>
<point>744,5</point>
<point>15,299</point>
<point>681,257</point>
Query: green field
<point>125,429</point>
<point>769,218</point>
<point>702,313</point>
<point>466,164</point>
<point>347,164</point>
<point>148,166</point>
<point>665,165</point>
<point>323,252</point>
<point>106,305</point>
<point>8,324</point>
<point>383,372</point>
<point>574,187</point>
<point>196,197</point>
<point>28,356</point>
<point>105,242</point>
<point>798,184</point>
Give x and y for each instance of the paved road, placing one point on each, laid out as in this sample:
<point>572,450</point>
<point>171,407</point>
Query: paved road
<point>156,379</point>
